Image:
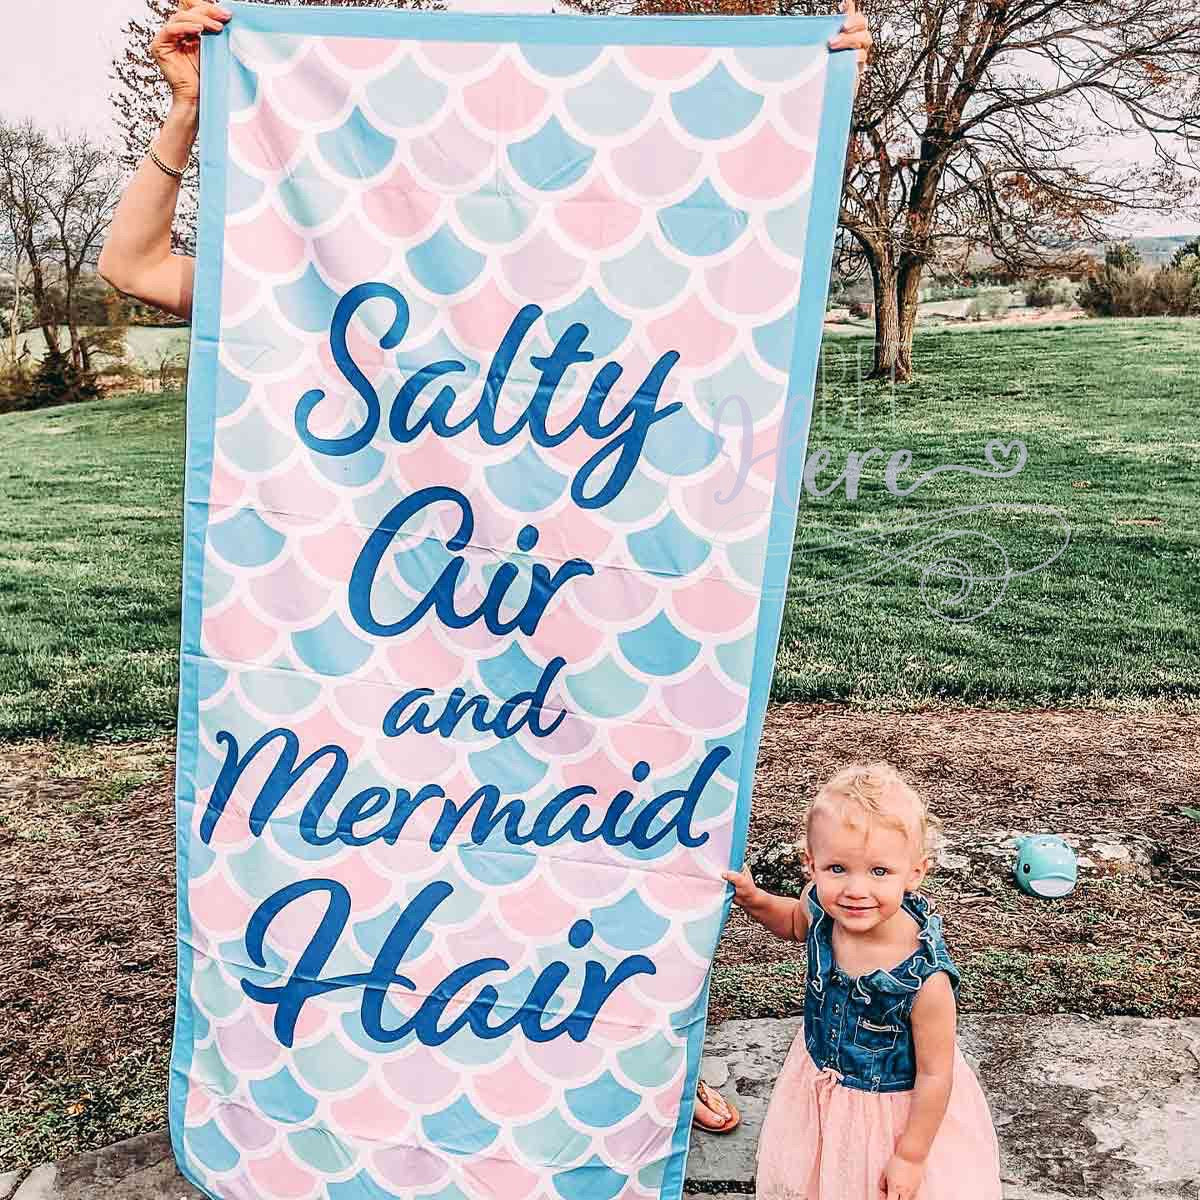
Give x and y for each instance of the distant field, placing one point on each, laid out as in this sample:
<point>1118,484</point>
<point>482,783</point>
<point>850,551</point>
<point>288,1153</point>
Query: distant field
<point>143,344</point>
<point>146,344</point>
<point>90,537</point>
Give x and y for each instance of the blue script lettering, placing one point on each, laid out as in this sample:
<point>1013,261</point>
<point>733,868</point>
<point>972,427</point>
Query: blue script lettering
<point>305,980</point>
<point>459,706</point>
<point>624,435</point>
<point>440,597</point>
<point>669,813</point>
<point>286,773</point>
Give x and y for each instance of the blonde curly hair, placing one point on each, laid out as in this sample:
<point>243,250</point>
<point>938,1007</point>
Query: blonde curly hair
<point>863,793</point>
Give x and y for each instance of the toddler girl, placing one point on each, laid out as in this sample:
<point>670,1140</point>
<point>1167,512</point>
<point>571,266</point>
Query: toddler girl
<point>874,1099</point>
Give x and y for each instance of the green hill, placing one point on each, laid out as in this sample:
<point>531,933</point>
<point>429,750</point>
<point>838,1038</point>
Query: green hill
<point>883,586</point>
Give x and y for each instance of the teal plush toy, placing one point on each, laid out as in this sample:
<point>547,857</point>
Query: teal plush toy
<point>1046,866</point>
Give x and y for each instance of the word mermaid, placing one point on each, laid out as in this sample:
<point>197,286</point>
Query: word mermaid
<point>380,814</point>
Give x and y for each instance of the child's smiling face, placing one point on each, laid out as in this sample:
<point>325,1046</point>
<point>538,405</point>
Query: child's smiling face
<point>862,868</point>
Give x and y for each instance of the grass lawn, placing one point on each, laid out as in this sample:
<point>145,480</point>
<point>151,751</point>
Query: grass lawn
<point>90,537</point>
<point>1107,411</point>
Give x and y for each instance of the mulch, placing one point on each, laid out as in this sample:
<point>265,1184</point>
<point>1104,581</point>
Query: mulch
<point>87,890</point>
<point>87,924</point>
<point>1123,943</point>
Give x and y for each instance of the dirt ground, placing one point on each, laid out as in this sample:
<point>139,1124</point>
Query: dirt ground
<point>87,891</point>
<point>1126,942</point>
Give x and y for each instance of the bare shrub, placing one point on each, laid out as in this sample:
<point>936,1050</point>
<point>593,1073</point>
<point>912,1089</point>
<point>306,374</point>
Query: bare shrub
<point>1046,292</point>
<point>988,305</point>
<point>1141,292</point>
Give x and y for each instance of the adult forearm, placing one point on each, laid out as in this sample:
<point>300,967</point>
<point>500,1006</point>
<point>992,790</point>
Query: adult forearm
<point>139,238</point>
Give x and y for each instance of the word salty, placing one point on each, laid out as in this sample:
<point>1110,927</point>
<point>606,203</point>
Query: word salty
<point>623,435</point>
<point>377,813</point>
<point>305,980</point>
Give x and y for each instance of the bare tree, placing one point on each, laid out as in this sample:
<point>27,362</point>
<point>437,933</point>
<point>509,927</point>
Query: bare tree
<point>80,207</point>
<point>971,134</point>
<point>26,172</point>
<point>59,198</point>
<point>12,253</point>
<point>971,126</point>
<point>141,97</point>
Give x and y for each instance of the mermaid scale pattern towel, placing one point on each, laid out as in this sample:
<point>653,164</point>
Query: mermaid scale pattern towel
<point>505,339</point>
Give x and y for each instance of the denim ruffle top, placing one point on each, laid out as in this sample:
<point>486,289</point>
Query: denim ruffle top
<point>861,1026</point>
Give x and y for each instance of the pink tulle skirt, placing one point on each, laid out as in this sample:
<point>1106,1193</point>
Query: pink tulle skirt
<point>822,1141</point>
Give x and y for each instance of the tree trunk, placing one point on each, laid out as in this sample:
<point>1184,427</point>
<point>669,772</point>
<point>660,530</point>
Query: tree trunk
<point>892,359</point>
<point>73,333</point>
<point>16,307</point>
<point>908,297</point>
<point>897,291</point>
<point>69,315</point>
<point>41,302</point>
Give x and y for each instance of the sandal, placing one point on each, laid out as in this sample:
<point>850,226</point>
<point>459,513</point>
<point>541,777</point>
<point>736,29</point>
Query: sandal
<point>715,1103</point>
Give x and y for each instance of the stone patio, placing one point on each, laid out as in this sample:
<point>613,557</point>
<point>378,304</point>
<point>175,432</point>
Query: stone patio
<point>1085,1109</point>
<point>1097,1109</point>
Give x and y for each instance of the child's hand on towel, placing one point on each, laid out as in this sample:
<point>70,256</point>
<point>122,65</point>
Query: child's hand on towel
<point>744,888</point>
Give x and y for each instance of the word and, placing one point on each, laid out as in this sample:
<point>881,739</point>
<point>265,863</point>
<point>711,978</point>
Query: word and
<point>458,706</point>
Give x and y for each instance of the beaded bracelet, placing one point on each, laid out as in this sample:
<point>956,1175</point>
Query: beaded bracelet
<point>158,162</point>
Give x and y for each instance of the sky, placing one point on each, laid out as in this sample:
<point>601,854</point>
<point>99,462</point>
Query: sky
<point>59,75</point>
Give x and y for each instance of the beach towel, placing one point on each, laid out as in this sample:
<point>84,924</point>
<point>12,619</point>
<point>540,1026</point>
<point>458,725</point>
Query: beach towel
<point>504,348</point>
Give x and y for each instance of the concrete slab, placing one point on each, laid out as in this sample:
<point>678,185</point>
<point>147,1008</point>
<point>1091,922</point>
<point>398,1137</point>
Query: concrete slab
<point>741,1060</point>
<point>1085,1109</point>
<point>38,1184</point>
<point>142,1168</point>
